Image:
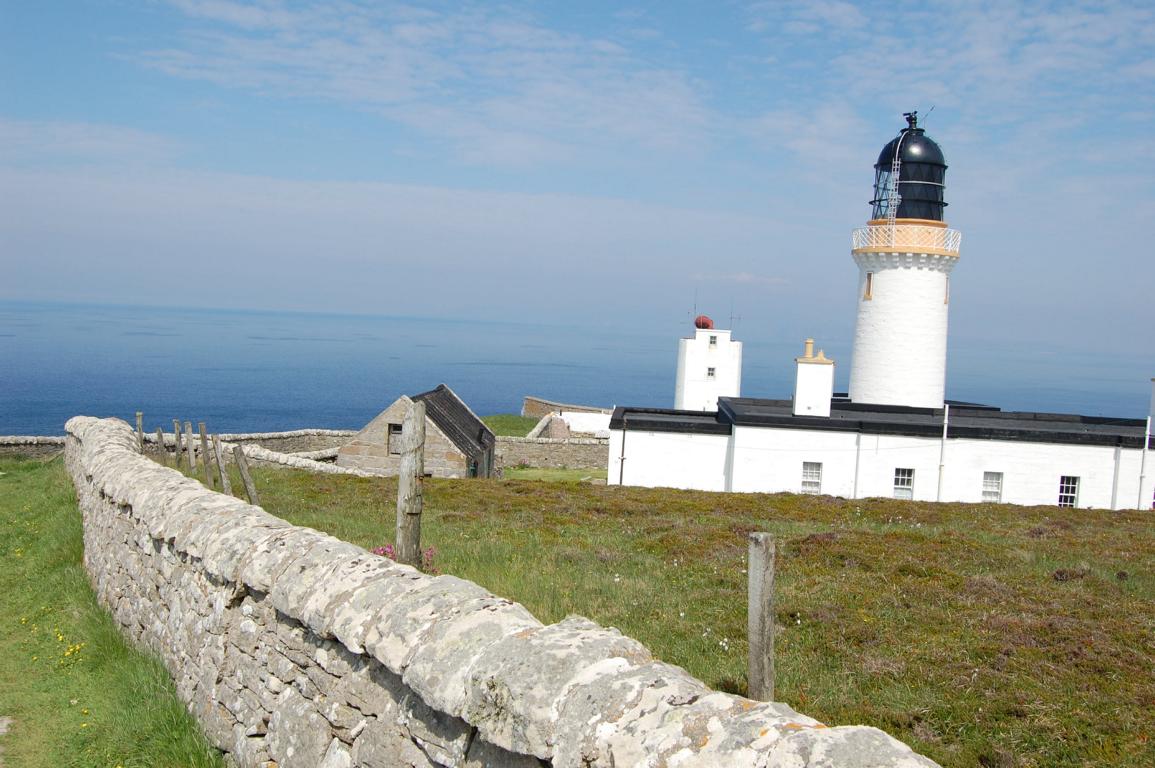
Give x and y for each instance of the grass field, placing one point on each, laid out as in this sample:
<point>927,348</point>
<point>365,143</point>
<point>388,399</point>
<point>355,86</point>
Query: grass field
<point>510,424</point>
<point>982,635</point>
<point>555,475</point>
<point>76,693</point>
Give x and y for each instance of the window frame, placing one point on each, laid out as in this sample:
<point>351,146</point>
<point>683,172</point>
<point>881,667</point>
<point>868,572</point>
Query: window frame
<point>996,487</point>
<point>1069,491</point>
<point>811,478</point>
<point>394,446</point>
<point>904,483</point>
<point>711,373</point>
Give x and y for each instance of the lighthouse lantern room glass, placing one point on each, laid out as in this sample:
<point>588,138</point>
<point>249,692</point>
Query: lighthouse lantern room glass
<point>914,162</point>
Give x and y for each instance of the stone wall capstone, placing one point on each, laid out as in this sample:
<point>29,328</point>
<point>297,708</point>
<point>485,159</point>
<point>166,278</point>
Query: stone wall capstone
<point>295,649</point>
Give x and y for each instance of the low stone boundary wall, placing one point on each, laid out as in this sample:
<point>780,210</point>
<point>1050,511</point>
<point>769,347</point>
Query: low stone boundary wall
<point>571,452</point>
<point>35,446</point>
<point>295,649</point>
<point>295,441</point>
<point>539,406</point>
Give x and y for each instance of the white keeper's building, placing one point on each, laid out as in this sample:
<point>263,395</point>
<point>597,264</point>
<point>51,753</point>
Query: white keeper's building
<point>893,434</point>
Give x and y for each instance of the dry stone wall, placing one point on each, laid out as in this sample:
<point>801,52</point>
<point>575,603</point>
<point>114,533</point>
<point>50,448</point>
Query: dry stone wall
<point>573,452</point>
<point>35,446</point>
<point>296,649</point>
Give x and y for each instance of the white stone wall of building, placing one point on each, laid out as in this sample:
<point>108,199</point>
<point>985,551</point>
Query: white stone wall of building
<point>668,460</point>
<point>900,336</point>
<point>695,389</point>
<point>768,460</point>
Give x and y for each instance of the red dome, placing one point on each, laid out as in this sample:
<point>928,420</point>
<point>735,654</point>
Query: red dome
<point>703,322</point>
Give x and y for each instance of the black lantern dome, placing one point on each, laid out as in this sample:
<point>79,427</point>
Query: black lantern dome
<point>921,176</point>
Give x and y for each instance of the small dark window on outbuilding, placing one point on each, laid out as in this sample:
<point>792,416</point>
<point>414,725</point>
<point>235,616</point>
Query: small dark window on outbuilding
<point>394,442</point>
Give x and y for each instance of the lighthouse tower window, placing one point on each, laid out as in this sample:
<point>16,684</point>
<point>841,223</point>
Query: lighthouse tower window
<point>903,483</point>
<point>868,294</point>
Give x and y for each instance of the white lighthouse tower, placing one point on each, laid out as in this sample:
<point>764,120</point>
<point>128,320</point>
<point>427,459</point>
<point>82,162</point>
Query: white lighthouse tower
<point>709,367</point>
<point>905,255</point>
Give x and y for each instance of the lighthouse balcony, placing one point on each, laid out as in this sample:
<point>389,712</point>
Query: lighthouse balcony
<point>906,236</point>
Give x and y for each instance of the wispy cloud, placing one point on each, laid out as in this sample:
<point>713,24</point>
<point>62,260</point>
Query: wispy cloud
<point>32,142</point>
<point>494,83</point>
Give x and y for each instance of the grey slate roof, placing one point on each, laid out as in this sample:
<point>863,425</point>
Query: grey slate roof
<point>453,417</point>
<point>967,420</point>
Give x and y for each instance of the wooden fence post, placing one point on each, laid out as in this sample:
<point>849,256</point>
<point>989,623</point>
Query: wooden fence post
<point>206,465</point>
<point>140,431</point>
<point>760,617</point>
<point>246,478</point>
<point>410,486</point>
<point>160,445</point>
<point>190,447</point>
<point>176,442</point>
<point>226,484</point>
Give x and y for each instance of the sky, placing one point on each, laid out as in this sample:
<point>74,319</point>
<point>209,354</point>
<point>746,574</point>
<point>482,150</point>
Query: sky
<point>577,162</point>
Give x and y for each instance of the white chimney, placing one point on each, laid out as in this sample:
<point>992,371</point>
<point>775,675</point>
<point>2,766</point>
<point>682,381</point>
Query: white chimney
<point>814,385</point>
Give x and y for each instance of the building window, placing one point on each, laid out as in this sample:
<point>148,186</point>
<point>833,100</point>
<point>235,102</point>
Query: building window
<point>713,341</point>
<point>709,373</point>
<point>993,487</point>
<point>903,483</point>
<point>1068,491</point>
<point>868,294</point>
<point>812,477</point>
<point>394,440</point>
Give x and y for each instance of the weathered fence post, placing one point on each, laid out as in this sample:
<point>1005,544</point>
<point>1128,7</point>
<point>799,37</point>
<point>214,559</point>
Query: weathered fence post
<point>410,486</point>
<point>206,465</point>
<point>226,485</point>
<point>160,444</point>
<point>190,446</point>
<point>760,617</point>
<point>140,430</point>
<point>176,442</point>
<point>246,478</point>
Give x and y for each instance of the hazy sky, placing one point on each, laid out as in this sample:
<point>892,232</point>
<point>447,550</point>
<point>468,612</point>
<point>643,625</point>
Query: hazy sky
<point>576,161</point>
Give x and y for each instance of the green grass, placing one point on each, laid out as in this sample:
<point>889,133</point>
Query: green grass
<point>562,475</point>
<point>510,424</point>
<point>78,695</point>
<point>944,625</point>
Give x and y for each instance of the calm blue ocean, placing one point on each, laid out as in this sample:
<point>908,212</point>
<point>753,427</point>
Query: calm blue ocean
<point>257,371</point>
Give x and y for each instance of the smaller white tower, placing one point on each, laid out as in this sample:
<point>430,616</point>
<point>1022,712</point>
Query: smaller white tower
<point>814,384</point>
<point>709,367</point>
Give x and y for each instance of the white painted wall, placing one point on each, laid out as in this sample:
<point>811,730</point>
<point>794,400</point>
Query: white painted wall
<point>583,421</point>
<point>901,331</point>
<point>668,460</point>
<point>770,460</point>
<point>694,389</point>
<point>813,388</point>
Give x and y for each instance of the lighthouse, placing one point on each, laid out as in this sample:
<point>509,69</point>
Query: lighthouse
<point>905,255</point>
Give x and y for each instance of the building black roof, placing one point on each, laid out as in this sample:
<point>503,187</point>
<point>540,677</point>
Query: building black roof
<point>967,420</point>
<point>453,417</point>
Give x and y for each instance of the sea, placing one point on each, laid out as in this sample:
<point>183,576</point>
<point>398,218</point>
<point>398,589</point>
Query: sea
<point>252,371</point>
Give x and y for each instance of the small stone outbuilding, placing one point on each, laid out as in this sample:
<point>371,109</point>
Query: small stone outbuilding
<point>457,443</point>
